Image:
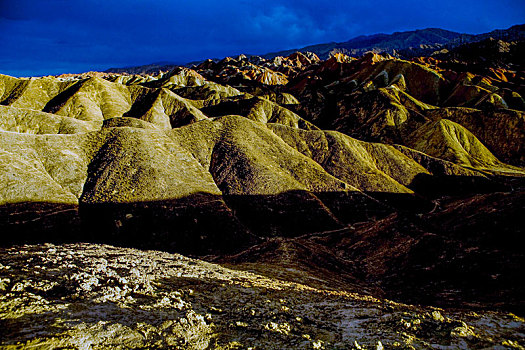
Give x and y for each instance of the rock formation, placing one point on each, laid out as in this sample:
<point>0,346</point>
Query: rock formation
<point>351,181</point>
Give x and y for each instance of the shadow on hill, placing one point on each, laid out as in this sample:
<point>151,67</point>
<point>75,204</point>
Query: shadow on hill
<point>201,223</point>
<point>59,100</point>
<point>465,252</point>
<point>460,247</point>
<point>142,104</point>
<point>431,186</point>
<point>204,223</point>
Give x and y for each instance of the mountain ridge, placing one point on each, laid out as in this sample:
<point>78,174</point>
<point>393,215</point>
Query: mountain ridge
<point>396,43</point>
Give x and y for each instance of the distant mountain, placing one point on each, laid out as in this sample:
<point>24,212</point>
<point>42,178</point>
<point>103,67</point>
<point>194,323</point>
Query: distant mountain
<point>406,44</point>
<point>378,42</point>
<point>145,69</point>
<point>421,42</point>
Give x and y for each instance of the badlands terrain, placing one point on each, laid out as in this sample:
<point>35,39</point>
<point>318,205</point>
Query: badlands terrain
<point>290,202</point>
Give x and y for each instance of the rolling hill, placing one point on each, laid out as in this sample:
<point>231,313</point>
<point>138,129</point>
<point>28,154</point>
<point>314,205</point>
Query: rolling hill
<point>319,200</point>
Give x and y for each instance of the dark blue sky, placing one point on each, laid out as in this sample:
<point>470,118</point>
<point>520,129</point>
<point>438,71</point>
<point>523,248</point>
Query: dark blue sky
<point>40,37</point>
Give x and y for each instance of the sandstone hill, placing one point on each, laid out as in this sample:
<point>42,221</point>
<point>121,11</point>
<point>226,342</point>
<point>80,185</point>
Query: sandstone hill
<point>389,178</point>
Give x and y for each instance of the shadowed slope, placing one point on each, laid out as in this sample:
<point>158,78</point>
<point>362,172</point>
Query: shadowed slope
<point>261,110</point>
<point>501,130</point>
<point>30,93</point>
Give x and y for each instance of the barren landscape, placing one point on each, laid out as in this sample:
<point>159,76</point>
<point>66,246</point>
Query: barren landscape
<point>372,202</point>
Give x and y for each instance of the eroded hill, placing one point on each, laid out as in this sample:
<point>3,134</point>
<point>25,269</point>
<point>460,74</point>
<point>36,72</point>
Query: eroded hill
<point>376,175</point>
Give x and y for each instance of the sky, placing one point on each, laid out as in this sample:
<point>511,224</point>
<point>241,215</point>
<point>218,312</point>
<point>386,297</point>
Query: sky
<point>40,37</point>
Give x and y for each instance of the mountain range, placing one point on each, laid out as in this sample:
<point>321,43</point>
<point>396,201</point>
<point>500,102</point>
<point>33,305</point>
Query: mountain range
<point>408,44</point>
<point>285,202</point>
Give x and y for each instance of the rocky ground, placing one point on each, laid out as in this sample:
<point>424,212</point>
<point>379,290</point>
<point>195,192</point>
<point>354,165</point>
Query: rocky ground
<point>89,296</point>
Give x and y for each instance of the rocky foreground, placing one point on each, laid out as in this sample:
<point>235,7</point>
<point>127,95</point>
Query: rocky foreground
<point>88,296</point>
